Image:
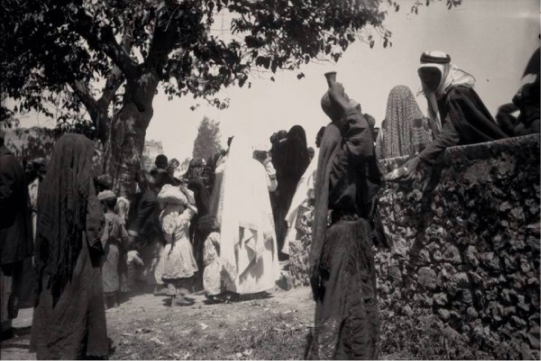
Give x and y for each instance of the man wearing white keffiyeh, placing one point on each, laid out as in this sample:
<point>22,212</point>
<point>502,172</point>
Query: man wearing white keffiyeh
<point>459,114</point>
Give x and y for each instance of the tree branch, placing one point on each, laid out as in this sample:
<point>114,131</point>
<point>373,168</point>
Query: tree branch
<point>163,37</point>
<point>97,110</point>
<point>84,95</point>
<point>116,78</point>
<point>102,38</point>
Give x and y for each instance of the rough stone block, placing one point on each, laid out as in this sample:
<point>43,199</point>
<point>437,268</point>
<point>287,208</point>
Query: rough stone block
<point>427,278</point>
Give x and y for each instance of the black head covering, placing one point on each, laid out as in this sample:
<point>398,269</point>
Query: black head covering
<point>68,207</point>
<point>295,150</point>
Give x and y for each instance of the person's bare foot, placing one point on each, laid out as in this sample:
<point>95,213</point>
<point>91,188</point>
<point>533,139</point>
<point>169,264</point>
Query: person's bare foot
<point>160,290</point>
<point>181,301</point>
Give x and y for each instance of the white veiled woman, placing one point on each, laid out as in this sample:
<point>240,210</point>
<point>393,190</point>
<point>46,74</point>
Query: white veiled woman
<point>248,238</point>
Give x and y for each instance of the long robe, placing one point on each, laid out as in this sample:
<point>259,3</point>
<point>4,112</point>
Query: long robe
<point>290,159</point>
<point>465,120</point>
<point>248,239</point>
<point>202,203</point>
<point>15,234</point>
<point>69,318</point>
<point>75,328</point>
<point>343,272</point>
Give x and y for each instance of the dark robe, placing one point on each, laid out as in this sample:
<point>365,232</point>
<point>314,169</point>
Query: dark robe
<point>290,159</point>
<point>202,202</point>
<point>527,100</point>
<point>342,264</point>
<point>15,230</point>
<point>16,244</point>
<point>69,318</point>
<point>144,220</point>
<point>465,120</point>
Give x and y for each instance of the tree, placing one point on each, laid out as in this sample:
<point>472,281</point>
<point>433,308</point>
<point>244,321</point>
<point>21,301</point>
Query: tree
<point>105,59</point>
<point>207,142</point>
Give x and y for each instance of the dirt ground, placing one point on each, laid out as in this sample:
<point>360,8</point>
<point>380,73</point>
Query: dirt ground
<point>273,326</point>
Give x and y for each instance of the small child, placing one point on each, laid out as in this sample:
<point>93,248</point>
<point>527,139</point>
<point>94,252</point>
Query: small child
<point>216,274</point>
<point>114,240</point>
<point>177,264</point>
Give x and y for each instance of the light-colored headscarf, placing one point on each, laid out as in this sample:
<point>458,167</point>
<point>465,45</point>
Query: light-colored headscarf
<point>451,76</point>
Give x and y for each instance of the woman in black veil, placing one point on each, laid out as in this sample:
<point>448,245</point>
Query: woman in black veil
<point>290,159</point>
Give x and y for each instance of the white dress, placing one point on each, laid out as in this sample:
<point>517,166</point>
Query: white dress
<point>177,260</point>
<point>248,238</point>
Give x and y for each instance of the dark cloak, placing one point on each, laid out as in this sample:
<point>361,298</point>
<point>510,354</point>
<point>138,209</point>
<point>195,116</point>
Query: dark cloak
<point>342,263</point>
<point>68,207</point>
<point>290,160</point>
<point>69,318</point>
<point>465,120</point>
<point>15,228</point>
<point>202,201</point>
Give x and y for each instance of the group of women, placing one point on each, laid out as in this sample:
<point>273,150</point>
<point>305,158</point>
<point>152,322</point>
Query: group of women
<point>69,319</point>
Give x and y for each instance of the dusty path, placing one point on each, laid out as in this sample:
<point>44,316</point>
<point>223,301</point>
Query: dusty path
<point>146,328</point>
<point>275,327</point>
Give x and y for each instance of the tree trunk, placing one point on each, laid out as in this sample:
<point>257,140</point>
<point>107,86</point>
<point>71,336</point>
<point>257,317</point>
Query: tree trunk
<point>127,133</point>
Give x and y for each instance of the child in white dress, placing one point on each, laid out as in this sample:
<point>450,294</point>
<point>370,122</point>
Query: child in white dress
<point>177,264</point>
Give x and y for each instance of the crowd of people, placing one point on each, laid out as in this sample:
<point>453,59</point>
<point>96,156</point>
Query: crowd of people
<point>223,226</point>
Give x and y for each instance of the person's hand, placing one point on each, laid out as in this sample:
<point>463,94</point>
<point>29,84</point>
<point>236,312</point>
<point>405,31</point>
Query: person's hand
<point>405,173</point>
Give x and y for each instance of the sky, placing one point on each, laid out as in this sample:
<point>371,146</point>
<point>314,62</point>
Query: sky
<point>491,39</point>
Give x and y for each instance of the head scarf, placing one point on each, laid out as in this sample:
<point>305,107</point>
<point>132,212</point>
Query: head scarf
<point>172,195</point>
<point>295,158</point>
<point>402,110</point>
<point>68,207</point>
<point>107,194</point>
<point>451,76</point>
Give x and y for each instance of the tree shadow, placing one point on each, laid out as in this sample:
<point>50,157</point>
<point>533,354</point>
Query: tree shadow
<point>231,297</point>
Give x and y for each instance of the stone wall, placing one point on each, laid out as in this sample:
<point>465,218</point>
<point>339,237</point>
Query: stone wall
<point>467,246</point>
